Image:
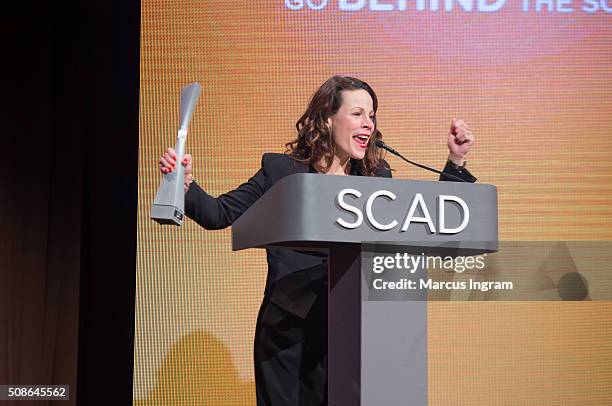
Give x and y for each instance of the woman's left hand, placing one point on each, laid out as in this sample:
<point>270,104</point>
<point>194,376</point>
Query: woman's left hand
<point>460,140</point>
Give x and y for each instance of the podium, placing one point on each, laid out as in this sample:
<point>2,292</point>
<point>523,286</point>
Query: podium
<point>377,350</point>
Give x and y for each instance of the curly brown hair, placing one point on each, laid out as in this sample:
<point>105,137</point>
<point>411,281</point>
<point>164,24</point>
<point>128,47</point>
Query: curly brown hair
<point>314,143</point>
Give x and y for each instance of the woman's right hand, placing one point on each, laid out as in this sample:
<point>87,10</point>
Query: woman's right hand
<point>167,164</point>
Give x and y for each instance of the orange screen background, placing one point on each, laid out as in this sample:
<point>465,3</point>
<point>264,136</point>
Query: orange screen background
<point>535,88</point>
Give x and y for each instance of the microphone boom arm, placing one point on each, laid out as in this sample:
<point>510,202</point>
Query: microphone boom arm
<point>381,144</point>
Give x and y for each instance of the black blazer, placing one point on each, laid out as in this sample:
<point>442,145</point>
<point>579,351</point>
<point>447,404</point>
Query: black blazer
<point>295,278</point>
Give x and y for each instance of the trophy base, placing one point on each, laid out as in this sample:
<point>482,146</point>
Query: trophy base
<point>167,214</point>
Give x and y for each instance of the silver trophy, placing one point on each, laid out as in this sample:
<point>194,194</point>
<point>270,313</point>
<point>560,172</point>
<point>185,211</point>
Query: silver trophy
<point>169,204</point>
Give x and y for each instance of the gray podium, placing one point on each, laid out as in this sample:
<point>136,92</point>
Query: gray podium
<point>377,350</point>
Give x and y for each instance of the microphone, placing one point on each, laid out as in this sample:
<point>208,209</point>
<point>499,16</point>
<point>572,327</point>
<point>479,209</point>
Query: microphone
<point>381,144</point>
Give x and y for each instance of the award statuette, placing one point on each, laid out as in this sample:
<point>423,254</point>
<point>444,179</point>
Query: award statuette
<point>169,204</point>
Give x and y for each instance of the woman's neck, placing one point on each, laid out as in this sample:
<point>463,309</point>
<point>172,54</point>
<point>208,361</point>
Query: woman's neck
<point>338,166</point>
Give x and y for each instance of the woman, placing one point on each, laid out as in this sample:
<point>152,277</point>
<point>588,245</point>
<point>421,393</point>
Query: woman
<point>336,136</point>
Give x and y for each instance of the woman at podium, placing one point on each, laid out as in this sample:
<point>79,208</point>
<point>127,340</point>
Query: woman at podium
<point>336,135</point>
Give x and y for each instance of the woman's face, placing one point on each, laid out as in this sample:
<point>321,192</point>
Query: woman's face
<point>353,124</point>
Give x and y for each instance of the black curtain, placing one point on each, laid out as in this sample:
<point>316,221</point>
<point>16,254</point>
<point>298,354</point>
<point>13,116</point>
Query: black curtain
<point>69,195</point>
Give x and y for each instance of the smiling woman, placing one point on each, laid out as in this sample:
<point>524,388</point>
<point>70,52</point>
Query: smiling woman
<point>339,125</point>
<point>336,136</point>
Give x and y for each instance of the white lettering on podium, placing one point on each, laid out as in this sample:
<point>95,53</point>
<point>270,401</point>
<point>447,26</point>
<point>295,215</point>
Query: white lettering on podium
<point>370,215</point>
<point>417,212</point>
<point>425,218</point>
<point>441,217</point>
<point>349,208</point>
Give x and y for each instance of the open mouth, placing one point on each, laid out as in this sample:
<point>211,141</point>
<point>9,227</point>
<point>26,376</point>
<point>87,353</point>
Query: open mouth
<point>361,140</point>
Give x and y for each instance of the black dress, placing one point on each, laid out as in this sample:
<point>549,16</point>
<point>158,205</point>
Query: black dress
<point>291,332</point>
